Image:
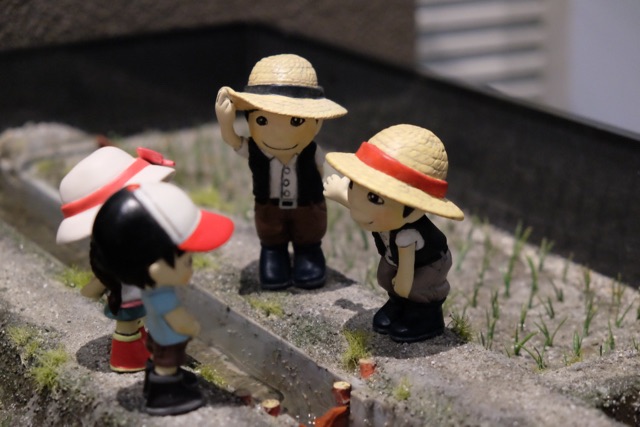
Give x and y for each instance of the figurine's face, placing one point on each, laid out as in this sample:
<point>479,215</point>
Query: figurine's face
<point>180,274</point>
<point>373,212</point>
<point>282,136</point>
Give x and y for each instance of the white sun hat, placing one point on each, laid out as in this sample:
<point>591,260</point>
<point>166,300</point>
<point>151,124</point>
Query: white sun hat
<point>191,229</point>
<point>96,177</point>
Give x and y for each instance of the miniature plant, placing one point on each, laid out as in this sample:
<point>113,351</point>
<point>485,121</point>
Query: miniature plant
<point>357,347</point>
<point>577,347</point>
<point>589,315</point>
<point>518,344</point>
<point>537,357</point>
<point>521,238</point>
<point>559,292</point>
<point>210,374</point>
<point>548,307</point>
<point>565,269</point>
<point>465,246</point>
<point>268,306</point>
<point>487,342</point>
<point>586,277</point>
<point>203,261</point>
<point>620,317</point>
<point>27,340</point>
<point>403,390</point>
<point>523,316</point>
<point>495,305</point>
<point>75,277</point>
<point>549,336</point>
<point>611,341</point>
<point>47,368</point>
<point>534,281</point>
<point>461,326</point>
<point>545,247</point>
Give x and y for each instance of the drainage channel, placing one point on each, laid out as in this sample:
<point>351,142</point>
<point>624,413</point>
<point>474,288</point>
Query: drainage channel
<point>247,357</point>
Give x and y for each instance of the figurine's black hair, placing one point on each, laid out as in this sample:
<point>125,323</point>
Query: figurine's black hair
<point>407,211</point>
<point>125,241</point>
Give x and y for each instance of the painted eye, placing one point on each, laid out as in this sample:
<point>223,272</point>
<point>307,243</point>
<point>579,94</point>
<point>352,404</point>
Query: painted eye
<point>350,185</point>
<point>375,199</point>
<point>296,121</point>
<point>261,121</point>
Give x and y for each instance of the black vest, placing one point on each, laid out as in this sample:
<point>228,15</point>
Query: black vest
<point>309,179</point>
<point>435,242</point>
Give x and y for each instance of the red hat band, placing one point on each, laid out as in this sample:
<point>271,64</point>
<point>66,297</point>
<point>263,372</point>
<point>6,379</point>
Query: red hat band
<point>374,157</point>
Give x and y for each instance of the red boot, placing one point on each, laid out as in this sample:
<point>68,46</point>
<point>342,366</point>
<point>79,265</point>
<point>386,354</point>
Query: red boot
<point>128,353</point>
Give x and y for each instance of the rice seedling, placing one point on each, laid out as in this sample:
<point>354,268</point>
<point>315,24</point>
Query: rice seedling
<point>521,237</point>
<point>534,281</point>
<point>558,291</point>
<point>590,310</point>
<point>548,307</point>
<point>549,336</point>
<point>545,248</point>
<point>537,357</point>
<point>518,344</point>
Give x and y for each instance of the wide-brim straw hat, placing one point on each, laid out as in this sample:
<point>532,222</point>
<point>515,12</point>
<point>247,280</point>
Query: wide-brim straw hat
<point>404,163</point>
<point>89,184</point>
<point>286,84</point>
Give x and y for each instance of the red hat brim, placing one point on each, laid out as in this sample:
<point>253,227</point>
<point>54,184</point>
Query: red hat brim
<point>213,230</point>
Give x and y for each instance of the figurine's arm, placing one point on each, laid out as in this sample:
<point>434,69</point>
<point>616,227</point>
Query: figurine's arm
<point>337,189</point>
<point>226,114</point>
<point>94,289</point>
<point>181,321</point>
<point>403,281</point>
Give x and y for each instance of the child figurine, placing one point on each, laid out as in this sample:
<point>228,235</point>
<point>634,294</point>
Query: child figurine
<point>83,191</point>
<point>389,185</point>
<point>285,108</point>
<point>144,235</point>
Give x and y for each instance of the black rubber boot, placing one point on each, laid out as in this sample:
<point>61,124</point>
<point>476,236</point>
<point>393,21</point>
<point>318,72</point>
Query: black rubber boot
<point>309,266</point>
<point>169,395</point>
<point>275,267</point>
<point>419,321</point>
<point>387,314</point>
<point>190,378</point>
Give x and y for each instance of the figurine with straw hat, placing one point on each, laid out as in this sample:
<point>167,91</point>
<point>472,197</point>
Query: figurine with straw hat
<point>285,108</point>
<point>389,185</point>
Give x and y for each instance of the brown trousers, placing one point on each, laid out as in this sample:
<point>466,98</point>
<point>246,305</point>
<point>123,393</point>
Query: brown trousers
<point>429,282</point>
<point>304,225</point>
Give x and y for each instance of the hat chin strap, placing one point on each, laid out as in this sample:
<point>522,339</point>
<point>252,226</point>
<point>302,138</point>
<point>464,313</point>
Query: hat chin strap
<point>374,157</point>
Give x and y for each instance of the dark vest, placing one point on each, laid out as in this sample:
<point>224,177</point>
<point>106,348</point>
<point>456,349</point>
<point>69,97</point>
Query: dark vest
<point>309,179</point>
<point>435,242</point>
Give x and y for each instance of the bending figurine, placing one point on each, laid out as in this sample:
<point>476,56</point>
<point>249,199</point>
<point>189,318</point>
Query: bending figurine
<point>285,108</point>
<point>389,185</point>
<point>83,191</point>
<point>144,235</point>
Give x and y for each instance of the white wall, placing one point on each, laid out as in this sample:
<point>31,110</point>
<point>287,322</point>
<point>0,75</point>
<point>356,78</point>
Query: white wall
<point>603,61</point>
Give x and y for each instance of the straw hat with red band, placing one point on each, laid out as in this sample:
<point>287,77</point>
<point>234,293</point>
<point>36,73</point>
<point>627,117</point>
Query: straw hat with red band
<point>286,84</point>
<point>405,163</point>
<point>90,183</point>
<point>190,228</point>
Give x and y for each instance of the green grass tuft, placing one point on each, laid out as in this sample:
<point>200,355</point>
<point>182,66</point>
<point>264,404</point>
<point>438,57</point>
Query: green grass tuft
<point>268,306</point>
<point>47,368</point>
<point>75,277</point>
<point>461,326</point>
<point>211,375</point>
<point>402,390</point>
<point>357,347</point>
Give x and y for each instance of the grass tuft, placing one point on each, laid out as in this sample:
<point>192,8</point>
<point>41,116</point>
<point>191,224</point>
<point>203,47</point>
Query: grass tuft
<point>403,390</point>
<point>461,326</point>
<point>357,347</point>
<point>268,306</point>
<point>46,370</point>
<point>75,277</point>
<point>211,375</point>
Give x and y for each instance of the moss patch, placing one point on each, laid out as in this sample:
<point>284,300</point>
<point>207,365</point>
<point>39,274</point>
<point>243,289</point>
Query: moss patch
<point>75,277</point>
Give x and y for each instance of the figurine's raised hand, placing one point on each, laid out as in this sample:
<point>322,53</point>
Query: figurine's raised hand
<point>226,114</point>
<point>336,189</point>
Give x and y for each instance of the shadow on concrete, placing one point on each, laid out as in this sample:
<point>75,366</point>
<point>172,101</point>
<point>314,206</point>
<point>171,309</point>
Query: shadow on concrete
<point>94,355</point>
<point>250,284</point>
<point>383,346</point>
<point>132,399</point>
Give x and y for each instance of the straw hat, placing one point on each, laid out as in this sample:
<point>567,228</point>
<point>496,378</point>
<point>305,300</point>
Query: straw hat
<point>96,177</point>
<point>286,84</point>
<point>405,163</point>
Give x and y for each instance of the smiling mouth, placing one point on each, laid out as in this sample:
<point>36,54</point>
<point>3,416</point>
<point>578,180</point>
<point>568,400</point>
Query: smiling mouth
<point>279,149</point>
